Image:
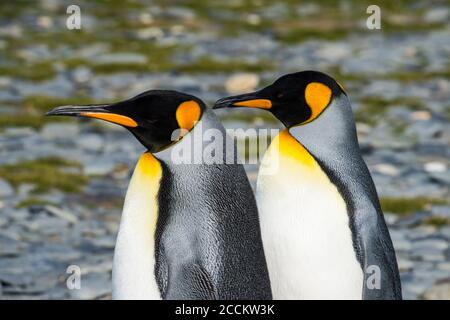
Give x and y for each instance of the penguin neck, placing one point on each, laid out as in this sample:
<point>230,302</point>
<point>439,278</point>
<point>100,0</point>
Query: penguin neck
<point>332,135</point>
<point>330,139</point>
<point>194,142</point>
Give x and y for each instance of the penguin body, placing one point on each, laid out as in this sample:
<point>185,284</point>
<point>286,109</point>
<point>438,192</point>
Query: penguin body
<point>209,240</point>
<point>307,238</point>
<point>188,230</point>
<point>323,230</point>
<point>340,159</point>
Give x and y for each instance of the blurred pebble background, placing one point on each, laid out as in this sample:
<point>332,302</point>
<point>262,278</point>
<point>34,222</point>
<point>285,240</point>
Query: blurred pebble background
<point>62,182</point>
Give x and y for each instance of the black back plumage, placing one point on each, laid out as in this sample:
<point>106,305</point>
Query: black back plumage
<point>208,236</point>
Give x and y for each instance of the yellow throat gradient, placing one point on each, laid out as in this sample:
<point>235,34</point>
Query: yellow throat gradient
<point>145,182</point>
<point>289,147</point>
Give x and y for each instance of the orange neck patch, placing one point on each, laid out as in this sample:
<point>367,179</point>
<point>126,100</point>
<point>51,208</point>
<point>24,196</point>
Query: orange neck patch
<point>317,96</point>
<point>291,148</point>
<point>111,117</point>
<point>145,183</point>
<point>187,114</point>
<point>149,166</point>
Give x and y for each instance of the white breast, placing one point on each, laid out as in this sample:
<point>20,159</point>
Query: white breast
<point>134,256</point>
<point>305,228</point>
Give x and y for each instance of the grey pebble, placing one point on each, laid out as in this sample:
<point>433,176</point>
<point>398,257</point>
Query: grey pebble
<point>58,131</point>
<point>90,142</point>
<point>440,291</point>
<point>431,244</point>
<point>441,211</point>
<point>428,254</point>
<point>93,286</point>
<point>6,190</point>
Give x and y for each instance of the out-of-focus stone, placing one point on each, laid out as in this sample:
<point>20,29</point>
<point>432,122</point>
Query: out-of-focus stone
<point>439,291</point>
<point>430,244</point>
<point>387,169</point>
<point>435,167</point>
<point>405,265</point>
<point>421,115</point>
<point>56,131</point>
<point>437,15</point>
<point>122,57</point>
<point>146,18</point>
<point>60,213</point>
<point>5,189</point>
<point>44,22</point>
<point>241,82</point>
<point>153,33</point>
<point>91,141</point>
<point>94,286</point>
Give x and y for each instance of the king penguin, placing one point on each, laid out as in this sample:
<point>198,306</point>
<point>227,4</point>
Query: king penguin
<point>187,231</point>
<point>323,230</point>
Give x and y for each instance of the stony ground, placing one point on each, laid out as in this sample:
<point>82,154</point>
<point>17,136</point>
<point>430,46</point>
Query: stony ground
<point>62,183</point>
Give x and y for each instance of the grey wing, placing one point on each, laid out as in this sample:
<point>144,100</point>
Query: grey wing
<point>381,277</point>
<point>162,271</point>
<point>190,282</point>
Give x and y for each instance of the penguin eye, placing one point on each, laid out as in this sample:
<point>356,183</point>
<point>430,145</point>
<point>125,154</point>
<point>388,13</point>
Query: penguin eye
<point>279,95</point>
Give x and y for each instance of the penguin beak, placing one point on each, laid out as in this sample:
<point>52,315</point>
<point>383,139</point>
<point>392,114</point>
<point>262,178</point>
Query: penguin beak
<point>98,111</point>
<point>249,100</point>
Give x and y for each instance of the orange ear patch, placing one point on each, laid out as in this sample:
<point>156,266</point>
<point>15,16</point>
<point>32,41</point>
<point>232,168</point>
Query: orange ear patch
<point>111,117</point>
<point>317,96</point>
<point>187,114</point>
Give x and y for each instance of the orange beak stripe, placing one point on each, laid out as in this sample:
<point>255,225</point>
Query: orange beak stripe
<point>256,103</point>
<point>111,117</point>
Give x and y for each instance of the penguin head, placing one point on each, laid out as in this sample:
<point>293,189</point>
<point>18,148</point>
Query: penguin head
<point>157,118</point>
<point>295,99</point>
